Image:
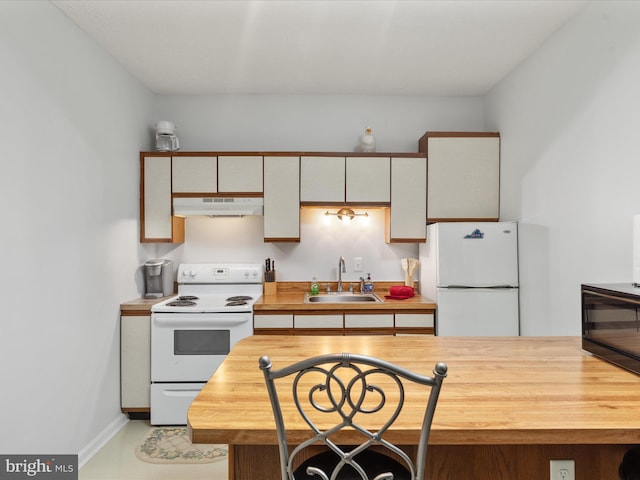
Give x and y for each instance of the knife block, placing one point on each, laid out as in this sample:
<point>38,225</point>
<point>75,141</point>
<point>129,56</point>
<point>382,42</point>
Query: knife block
<point>270,288</point>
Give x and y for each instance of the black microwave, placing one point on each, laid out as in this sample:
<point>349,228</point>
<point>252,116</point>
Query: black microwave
<point>611,323</point>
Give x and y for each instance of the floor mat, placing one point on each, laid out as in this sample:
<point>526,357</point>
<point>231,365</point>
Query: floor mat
<point>172,445</point>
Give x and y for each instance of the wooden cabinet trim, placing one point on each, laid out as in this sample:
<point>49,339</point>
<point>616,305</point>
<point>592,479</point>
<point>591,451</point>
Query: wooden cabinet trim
<point>273,331</point>
<point>415,331</point>
<point>319,331</point>
<point>216,194</point>
<point>369,331</point>
<point>282,239</point>
<point>281,154</point>
<point>460,219</point>
<point>423,141</point>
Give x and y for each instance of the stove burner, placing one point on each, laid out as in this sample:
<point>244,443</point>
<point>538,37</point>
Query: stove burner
<point>181,303</point>
<point>239,298</point>
<point>236,303</point>
<point>187,297</point>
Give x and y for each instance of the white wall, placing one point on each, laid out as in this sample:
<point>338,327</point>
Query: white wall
<point>325,123</point>
<point>72,124</point>
<point>571,161</point>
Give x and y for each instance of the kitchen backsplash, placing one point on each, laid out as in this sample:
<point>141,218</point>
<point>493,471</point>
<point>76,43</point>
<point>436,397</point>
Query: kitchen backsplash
<point>234,239</point>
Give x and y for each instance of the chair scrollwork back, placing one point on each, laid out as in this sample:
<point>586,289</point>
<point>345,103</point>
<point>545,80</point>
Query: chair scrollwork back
<point>349,401</point>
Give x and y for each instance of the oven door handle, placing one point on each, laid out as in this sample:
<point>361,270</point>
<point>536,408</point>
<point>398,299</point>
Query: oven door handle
<point>181,392</point>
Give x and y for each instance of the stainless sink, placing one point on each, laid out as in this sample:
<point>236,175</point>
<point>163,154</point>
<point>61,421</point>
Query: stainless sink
<point>342,298</point>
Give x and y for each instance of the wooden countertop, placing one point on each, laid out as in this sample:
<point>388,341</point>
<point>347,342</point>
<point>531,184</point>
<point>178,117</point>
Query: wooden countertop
<point>295,301</point>
<point>290,296</point>
<point>141,305</point>
<point>499,391</point>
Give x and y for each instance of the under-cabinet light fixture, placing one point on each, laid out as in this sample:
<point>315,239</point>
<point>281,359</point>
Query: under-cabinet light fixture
<point>345,214</point>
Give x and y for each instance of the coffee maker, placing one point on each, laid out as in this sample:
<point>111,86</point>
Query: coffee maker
<point>158,278</point>
<point>166,140</point>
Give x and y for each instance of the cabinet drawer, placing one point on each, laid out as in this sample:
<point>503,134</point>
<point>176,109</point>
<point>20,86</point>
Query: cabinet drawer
<point>273,321</point>
<point>414,319</point>
<point>318,321</point>
<point>368,321</point>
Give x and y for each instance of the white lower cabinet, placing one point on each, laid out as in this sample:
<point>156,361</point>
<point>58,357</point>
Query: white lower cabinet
<point>368,320</point>
<point>135,362</point>
<point>414,320</point>
<point>273,321</point>
<point>317,321</point>
<point>300,323</point>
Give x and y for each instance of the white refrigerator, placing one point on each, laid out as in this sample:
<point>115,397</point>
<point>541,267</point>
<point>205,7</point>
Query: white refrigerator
<point>471,271</point>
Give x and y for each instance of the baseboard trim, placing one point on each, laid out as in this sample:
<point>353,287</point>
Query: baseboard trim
<point>101,440</point>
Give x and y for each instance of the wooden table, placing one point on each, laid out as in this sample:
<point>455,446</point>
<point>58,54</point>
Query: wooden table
<point>507,407</point>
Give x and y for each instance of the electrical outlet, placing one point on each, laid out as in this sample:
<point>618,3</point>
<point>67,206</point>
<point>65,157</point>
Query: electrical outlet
<point>562,470</point>
<point>357,264</point>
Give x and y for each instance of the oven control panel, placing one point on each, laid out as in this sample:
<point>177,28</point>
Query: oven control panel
<point>212,273</point>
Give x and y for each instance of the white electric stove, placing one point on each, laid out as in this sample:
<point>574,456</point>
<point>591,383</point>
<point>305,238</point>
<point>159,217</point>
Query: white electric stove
<point>192,333</point>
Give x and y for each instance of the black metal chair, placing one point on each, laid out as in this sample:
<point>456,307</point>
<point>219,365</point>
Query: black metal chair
<point>347,394</point>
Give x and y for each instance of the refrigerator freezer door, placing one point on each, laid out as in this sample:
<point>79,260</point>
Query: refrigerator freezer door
<point>477,254</point>
<point>477,312</point>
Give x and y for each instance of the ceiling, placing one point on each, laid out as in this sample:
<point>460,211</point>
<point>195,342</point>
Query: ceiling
<point>372,47</point>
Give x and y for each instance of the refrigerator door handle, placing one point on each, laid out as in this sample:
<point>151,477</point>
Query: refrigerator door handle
<point>496,287</point>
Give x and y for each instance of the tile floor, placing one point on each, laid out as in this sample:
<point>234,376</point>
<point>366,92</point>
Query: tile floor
<point>117,461</point>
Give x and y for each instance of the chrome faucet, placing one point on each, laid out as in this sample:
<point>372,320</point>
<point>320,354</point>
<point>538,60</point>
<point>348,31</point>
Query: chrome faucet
<point>341,269</point>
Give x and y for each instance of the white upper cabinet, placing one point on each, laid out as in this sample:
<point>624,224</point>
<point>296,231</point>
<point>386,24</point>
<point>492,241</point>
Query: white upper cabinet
<point>455,176</point>
<point>368,179</point>
<point>406,219</point>
<point>345,179</point>
<point>463,176</point>
<point>194,174</point>
<point>157,197</point>
<point>239,174</point>
<point>281,198</point>
<point>157,224</point>
<point>322,179</point>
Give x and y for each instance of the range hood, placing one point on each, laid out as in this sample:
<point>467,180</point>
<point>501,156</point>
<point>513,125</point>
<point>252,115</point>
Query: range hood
<point>218,206</point>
